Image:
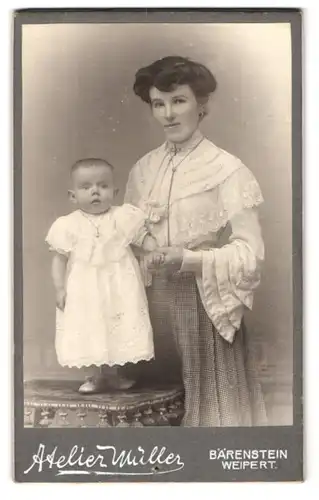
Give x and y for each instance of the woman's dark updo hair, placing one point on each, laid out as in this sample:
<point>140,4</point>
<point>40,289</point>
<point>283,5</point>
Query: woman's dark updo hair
<point>167,73</point>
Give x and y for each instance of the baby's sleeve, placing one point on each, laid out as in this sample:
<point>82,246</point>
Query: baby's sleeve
<point>132,223</point>
<point>60,237</point>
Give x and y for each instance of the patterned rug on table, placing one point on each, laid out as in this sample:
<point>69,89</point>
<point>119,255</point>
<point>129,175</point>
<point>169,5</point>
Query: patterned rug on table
<point>57,403</point>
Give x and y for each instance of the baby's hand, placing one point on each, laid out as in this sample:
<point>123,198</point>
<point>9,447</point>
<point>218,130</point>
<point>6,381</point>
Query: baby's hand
<point>60,298</point>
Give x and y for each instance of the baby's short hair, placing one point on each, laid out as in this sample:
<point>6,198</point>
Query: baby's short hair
<point>91,162</point>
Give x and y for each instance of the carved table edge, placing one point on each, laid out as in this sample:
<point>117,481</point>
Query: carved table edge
<point>100,406</point>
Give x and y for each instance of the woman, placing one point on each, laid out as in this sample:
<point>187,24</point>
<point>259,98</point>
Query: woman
<point>202,208</point>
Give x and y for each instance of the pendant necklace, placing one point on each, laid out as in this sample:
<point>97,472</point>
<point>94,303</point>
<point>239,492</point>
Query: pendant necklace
<point>96,226</point>
<point>174,168</point>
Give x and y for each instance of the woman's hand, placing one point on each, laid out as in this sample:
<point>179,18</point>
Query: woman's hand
<point>60,297</point>
<point>165,258</point>
<point>155,261</point>
<point>173,258</point>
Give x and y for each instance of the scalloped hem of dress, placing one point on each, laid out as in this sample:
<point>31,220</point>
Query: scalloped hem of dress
<point>86,364</point>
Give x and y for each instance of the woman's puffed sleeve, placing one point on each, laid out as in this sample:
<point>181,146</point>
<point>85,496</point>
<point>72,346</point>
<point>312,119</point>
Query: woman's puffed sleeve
<point>60,237</point>
<point>131,222</point>
<point>239,191</point>
<point>230,274</point>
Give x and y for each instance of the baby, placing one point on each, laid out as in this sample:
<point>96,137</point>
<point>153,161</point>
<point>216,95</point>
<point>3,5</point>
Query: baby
<point>102,315</point>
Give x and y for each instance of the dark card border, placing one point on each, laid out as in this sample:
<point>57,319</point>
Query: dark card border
<point>192,444</point>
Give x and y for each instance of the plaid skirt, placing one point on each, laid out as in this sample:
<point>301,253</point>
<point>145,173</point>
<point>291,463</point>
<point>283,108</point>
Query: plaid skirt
<point>220,383</point>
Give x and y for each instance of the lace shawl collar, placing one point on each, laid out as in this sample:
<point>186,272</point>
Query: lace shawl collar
<point>204,169</point>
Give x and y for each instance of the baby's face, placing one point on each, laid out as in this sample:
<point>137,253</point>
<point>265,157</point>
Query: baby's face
<point>93,188</point>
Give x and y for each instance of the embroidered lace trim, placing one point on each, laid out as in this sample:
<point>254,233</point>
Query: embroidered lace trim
<point>203,225</point>
<point>85,362</point>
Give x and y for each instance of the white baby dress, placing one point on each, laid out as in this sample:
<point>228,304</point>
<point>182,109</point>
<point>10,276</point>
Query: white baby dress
<point>105,320</point>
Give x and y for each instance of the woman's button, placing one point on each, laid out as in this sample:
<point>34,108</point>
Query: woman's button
<point>155,218</point>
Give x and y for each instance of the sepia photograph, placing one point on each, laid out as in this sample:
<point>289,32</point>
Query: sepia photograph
<point>157,224</point>
<point>170,146</point>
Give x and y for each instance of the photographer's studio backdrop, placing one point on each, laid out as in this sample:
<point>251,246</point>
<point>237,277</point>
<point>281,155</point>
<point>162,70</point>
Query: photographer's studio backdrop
<point>78,102</point>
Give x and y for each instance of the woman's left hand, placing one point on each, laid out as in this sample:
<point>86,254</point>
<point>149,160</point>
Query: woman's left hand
<point>173,258</point>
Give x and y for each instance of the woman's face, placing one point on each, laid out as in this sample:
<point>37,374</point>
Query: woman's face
<point>177,111</point>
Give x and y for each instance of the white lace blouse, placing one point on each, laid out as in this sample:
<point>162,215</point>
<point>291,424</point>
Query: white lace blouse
<point>204,199</point>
